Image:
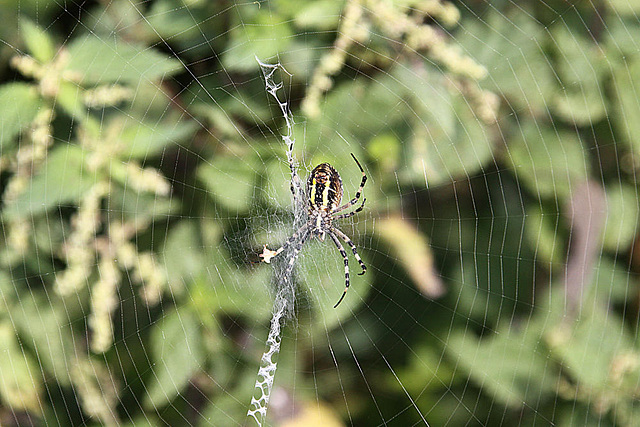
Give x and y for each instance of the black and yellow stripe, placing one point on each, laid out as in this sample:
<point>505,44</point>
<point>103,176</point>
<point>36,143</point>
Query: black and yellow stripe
<point>324,188</point>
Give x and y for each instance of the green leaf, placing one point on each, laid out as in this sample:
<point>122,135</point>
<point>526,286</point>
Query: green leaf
<point>510,46</point>
<point>20,379</point>
<point>447,140</point>
<point>46,330</point>
<point>612,281</point>
<point>234,290</point>
<point>144,139</point>
<point>230,406</point>
<point>622,217</point>
<point>19,103</point>
<point>620,39</point>
<point>177,354</point>
<point>231,180</point>
<point>167,22</point>
<point>625,7</point>
<point>7,292</point>
<point>544,235</point>
<point>182,255</point>
<point>579,61</point>
<point>626,81</point>
<point>583,105</point>
<point>140,208</point>
<point>69,97</point>
<point>426,87</point>
<point>437,155</point>
<point>319,15</point>
<point>63,179</point>
<point>549,163</point>
<point>321,270</point>
<point>38,41</point>
<point>589,345</point>
<point>261,33</point>
<point>385,149</point>
<point>102,61</point>
<point>510,366</point>
<point>581,66</point>
<point>357,109</point>
<point>278,183</point>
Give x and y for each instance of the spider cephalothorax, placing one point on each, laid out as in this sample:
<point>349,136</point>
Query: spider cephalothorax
<point>324,193</point>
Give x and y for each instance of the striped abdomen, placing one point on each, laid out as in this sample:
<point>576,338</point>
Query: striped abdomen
<point>324,188</point>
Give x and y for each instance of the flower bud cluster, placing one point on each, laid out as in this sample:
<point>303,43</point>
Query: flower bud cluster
<point>79,253</point>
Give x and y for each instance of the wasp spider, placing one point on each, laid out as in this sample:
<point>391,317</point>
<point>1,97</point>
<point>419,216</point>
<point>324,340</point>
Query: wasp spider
<point>324,193</point>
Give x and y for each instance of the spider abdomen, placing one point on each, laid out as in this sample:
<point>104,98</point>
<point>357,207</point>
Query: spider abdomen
<point>324,188</point>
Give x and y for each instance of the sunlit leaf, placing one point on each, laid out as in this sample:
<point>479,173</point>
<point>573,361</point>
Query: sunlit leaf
<point>510,46</point>
<point>182,255</point>
<point>549,163</point>
<point>262,34</point>
<point>437,156</point>
<point>69,98</point>
<point>447,139</point>
<point>63,179</point>
<point>19,103</point>
<point>580,61</point>
<point>38,41</point>
<point>588,346</point>
<point>319,15</point>
<point>234,290</point>
<point>412,249</point>
<point>385,150</point>
<point>20,378</point>
<point>511,366</point>
<point>230,181</point>
<point>581,67</point>
<point>147,139</point>
<point>625,7</point>
<point>583,106</point>
<point>622,217</point>
<point>227,408</point>
<point>626,82</point>
<point>101,61</point>
<point>620,39</point>
<point>612,282</point>
<point>140,208</point>
<point>166,22</point>
<point>314,413</point>
<point>7,292</point>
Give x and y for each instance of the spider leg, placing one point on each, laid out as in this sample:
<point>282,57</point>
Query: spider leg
<point>267,253</point>
<point>353,248</point>
<point>346,265</point>
<point>357,196</point>
<point>352,213</point>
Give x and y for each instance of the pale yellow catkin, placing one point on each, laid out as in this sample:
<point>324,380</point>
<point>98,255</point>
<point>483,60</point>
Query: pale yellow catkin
<point>106,96</point>
<point>403,23</point>
<point>80,255</point>
<point>104,300</point>
<point>96,389</point>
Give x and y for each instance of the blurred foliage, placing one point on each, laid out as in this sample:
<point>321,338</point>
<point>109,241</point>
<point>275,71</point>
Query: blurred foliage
<point>141,169</point>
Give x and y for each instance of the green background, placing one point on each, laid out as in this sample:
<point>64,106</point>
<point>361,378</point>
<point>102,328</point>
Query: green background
<point>141,166</point>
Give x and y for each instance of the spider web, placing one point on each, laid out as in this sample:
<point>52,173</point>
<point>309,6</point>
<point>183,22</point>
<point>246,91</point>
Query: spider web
<point>144,162</point>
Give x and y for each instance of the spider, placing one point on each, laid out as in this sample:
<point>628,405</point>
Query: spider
<point>324,193</point>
